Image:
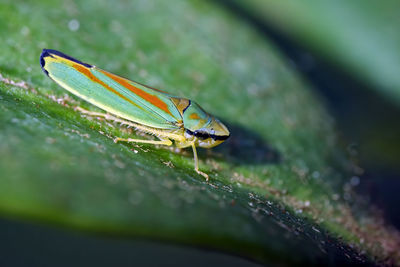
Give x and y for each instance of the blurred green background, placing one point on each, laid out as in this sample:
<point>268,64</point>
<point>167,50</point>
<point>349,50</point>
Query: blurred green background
<point>310,93</point>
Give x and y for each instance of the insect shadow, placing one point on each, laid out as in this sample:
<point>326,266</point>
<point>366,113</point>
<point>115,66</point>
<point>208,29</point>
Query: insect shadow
<point>244,146</point>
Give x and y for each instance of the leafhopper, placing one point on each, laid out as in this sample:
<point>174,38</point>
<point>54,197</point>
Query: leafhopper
<point>131,103</point>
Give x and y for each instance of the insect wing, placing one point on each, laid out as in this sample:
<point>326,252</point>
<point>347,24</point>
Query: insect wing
<point>114,94</point>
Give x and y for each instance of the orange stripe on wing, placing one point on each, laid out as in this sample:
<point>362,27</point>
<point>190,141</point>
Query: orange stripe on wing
<point>194,116</point>
<point>88,74</point>
<point>154,100</point>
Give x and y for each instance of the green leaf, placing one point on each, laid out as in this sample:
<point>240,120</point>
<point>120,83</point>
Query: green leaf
<point>276,185</point>
<point>361,37</point>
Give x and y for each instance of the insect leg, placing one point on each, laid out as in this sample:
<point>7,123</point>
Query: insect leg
<point>196,163</point>
<point>100,114</point>
<point>110,117</point>
<point>91,113</point>
<point>166,142</point>
<point>107,116</point>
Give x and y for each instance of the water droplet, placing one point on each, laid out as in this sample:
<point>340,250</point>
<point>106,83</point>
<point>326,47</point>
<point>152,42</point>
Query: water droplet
<point>131,66</point>
<point>135,197</point>
<point>50,140</point>
<point>253,89</point>
<point>315,174</point>
<point>73,25</point>
<point>227,188</point>
<point>316,230</point>
<point>25,31</point>
<point>115,26</point>
<point>355,180</point>
<point>119,164</point>
<point>143,73</point>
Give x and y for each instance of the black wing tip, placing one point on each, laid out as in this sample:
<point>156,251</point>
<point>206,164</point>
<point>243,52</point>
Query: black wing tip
<point>44,54</point>
<point>50,52</point>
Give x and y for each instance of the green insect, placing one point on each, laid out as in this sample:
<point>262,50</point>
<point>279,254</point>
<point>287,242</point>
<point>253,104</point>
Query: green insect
<point>147,109</point>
